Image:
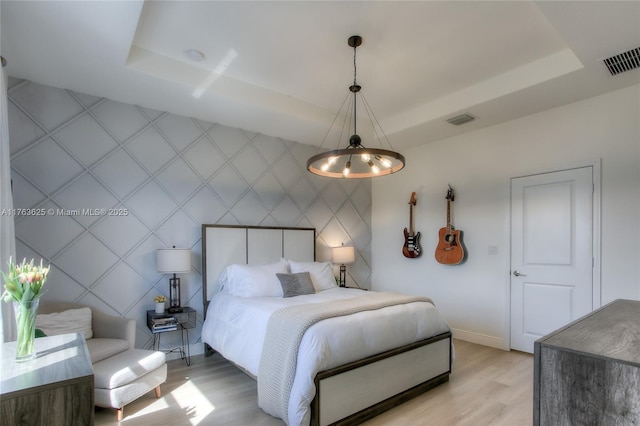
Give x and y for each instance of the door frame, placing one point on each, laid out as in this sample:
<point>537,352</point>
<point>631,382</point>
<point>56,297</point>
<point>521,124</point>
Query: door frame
<point>596,165</point>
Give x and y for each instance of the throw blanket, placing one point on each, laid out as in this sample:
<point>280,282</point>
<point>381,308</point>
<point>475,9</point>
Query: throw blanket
<point>285,329</point>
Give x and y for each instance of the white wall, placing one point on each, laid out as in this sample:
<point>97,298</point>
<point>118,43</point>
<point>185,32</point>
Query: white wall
<point>170,174</point>
<point>474,296</point>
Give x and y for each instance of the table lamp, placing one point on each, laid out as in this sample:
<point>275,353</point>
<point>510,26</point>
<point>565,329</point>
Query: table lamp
<point>343,255</point>
<point>173,261</point>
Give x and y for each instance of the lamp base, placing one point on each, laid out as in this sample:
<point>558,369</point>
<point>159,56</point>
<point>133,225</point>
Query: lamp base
<point>174,295</point>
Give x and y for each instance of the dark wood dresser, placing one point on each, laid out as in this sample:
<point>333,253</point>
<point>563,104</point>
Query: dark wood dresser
<point>56,388</point>
<point>588,372</point>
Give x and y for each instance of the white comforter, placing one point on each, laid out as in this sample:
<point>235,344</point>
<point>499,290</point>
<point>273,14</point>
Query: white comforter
<point>236,326</point>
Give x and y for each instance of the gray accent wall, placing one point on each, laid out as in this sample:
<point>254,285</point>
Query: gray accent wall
<point>104,184</point>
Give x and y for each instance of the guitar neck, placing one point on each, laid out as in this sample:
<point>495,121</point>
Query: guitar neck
<point>410,219</point>
<point>449,214</point>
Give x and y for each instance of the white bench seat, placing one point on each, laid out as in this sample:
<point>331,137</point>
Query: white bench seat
<point>127,376</point>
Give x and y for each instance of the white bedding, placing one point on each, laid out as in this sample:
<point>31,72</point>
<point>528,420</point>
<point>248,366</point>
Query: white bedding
<point>235,327</point>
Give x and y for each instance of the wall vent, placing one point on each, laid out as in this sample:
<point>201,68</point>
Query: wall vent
<point>625,61</point>
<point>460,119</point>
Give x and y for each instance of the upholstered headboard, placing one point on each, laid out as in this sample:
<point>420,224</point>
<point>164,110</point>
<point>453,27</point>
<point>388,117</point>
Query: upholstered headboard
<point>223,245</point>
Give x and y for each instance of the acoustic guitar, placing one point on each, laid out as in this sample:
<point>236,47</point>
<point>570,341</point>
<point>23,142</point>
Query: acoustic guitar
<point>450,250</point>
<point>411,248</point>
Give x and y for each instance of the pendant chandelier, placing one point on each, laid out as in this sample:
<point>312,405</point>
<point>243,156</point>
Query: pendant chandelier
<point>355,161</point>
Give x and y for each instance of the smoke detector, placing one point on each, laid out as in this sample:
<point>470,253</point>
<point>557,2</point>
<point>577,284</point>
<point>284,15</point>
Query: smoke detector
<point>194,54</point>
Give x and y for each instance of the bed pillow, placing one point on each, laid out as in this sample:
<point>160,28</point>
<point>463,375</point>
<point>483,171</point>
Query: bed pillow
<point>69,321</point>
<point>221,282</point>
<point>296,284</point>
<point>321,273</point>
<point>255,280</point>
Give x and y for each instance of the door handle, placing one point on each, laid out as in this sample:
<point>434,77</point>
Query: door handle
<point>518,274</point>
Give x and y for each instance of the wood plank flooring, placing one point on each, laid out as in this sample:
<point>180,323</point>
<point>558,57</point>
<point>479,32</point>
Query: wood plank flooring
<point>487,387</point>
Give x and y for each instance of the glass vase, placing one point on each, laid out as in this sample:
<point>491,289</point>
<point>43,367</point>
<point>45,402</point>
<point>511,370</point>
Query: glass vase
<point>26,323</point>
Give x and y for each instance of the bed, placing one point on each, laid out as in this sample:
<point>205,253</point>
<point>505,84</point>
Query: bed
<point>372,352</point>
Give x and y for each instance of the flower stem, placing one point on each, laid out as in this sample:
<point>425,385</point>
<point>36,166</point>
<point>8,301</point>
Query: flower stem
<point>26,325</point>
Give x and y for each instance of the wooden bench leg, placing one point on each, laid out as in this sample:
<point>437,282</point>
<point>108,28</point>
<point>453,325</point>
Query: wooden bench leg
<point>120,411</point>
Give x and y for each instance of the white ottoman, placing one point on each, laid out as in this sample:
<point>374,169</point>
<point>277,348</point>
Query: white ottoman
<point>127,376</point>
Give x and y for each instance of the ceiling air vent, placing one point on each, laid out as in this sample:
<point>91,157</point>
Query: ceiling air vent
<point>625,61</point>
<point>460,119</point>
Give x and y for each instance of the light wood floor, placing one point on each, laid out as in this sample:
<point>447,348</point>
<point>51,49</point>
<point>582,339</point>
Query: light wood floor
<point>487,387</point>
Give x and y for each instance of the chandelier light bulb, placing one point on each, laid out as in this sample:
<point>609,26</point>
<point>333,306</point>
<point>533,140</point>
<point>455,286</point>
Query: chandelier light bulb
<point>375,169</point>
<point>385,162</point>
<point>347,169</point>
<point>366,158</point>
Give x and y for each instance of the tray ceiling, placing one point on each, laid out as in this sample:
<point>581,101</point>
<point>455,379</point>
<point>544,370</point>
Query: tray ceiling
<point>283,68</point>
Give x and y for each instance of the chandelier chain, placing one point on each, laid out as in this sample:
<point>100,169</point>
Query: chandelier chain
<point>355,83</point>
<point>355,80</point>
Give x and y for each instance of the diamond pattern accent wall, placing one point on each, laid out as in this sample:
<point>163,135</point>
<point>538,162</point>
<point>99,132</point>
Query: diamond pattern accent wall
<point>162,175</point>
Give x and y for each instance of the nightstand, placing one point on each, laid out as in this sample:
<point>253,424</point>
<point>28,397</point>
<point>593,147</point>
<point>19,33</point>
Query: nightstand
<point>185,320</point>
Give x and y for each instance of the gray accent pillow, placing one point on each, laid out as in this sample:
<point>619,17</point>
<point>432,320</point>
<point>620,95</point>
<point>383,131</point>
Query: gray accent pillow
<point>296,284</point>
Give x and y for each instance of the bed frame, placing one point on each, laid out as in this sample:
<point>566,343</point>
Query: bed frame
<point>351,393</point>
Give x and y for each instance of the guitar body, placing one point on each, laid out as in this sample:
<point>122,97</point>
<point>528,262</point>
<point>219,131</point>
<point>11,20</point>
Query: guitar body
<point>411,248</point>
<point>449,250</point>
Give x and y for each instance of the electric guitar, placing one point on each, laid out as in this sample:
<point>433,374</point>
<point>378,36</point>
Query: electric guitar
<point>411,248</point>
<point>450,250</point>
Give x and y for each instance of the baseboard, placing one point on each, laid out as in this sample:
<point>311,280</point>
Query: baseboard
<point>195,349</point>
<point>480,339</point>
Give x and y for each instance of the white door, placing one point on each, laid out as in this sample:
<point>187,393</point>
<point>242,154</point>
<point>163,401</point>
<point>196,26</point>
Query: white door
<point>551,252</point>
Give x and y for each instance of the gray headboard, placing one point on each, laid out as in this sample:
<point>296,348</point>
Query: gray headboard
<point>223,245</point>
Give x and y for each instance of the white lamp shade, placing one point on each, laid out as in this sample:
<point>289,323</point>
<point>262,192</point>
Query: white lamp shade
<point>343,255</point>
<point>173,260</point>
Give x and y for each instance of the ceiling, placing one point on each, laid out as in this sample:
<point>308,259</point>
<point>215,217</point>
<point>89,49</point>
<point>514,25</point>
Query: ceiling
<point>283,68</point>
